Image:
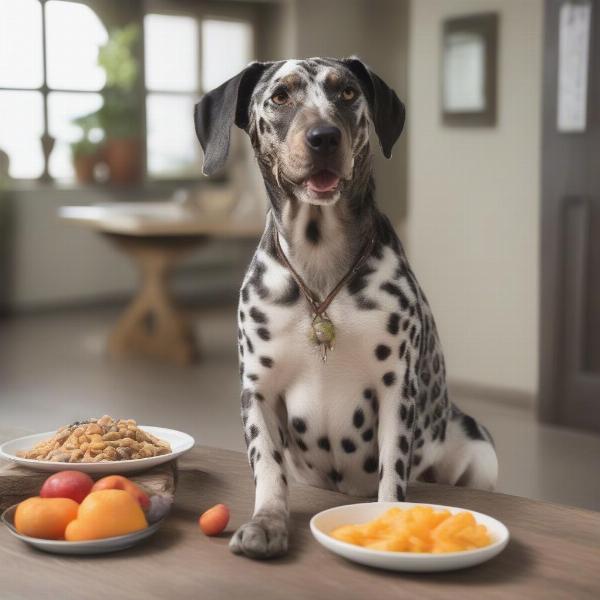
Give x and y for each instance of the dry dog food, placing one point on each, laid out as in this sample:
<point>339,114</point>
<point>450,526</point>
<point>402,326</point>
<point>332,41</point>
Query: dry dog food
<point>417,529</point>
<point>98,440</point>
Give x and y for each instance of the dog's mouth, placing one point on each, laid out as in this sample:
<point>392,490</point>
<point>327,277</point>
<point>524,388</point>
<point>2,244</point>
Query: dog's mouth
<point>323,182</point>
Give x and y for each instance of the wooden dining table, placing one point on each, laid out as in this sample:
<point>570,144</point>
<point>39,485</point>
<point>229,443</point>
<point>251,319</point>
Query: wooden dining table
<point>554,551</point>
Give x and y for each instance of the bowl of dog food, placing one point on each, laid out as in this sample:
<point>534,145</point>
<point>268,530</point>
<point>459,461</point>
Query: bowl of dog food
<point>98,445</point>
<point>405,536</point>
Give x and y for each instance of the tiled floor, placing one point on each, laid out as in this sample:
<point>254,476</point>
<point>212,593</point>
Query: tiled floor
<point>53,371</point>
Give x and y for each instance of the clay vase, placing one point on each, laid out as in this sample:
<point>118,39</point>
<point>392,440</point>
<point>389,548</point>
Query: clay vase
<point>123,157</point>
<point>84,166</point>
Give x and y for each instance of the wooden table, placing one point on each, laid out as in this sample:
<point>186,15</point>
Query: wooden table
<point>156,236</point>
<point>554,552</point>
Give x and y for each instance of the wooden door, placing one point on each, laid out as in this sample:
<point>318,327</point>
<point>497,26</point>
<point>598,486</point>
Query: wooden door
<point>570,250</point>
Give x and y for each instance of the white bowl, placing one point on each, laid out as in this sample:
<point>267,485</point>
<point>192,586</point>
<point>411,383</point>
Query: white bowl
<point>102,546</point>
<point>350,514</point>
<point>180,443</point>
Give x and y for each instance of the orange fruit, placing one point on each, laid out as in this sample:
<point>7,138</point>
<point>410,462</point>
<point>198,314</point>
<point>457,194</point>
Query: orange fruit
<point>106,513</point>
<point>45,517</point>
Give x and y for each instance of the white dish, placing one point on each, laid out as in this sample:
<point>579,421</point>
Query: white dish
<point>326,521</point>
<point>102,546</point>
<point>180,443</point>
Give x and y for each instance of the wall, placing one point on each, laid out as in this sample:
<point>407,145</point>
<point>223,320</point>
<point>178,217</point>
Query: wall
<point>474,202</point>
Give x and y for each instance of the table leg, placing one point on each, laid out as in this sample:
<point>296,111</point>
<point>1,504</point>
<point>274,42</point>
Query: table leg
<point>152,325</point>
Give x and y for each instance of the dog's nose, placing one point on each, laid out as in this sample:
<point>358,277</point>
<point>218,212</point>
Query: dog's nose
<point>324,139</point>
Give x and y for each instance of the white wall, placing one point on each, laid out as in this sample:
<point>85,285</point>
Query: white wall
<point>474,198</point>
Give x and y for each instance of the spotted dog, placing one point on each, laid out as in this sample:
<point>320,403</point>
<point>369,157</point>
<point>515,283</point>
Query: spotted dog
<point>376,414</point>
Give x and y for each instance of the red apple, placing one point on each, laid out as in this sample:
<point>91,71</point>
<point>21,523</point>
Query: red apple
<point>67,484</point>
<point>118,482</point>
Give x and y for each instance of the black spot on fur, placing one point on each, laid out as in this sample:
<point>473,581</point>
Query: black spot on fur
<point>359,282</point>
<point>436,364</point>
<point>364,303</point>
<point>470,427</point>
<point>253,431</point>
<point>245,294</point>
<point>261,125</point>
<point>370,464</point>
<point>265,361</point>
<point>299,424</point>
<point>400,496</point>
<point>323,443</point>
<point>382,351</point>
<point>277,456</point>
<point>416,460</point>
<point>242,316</point>
<point>348,445</point>
<point>367,434</point>
<point>263,333</point>
<point>368,394</point>
<point>403,444</point>
<point>410,419</point>
<point>393,324</point>
<point>301,444</point>
<point>335,476</point>
<point>252,377</point>
<point>375,405</point>
<point>257,315</point>
<point>399,466</point>
<point>405,325</point>
<point>284,479</point>
<point>313,234</point>
<point>381,473</point>
<point>249,345</point>
<point>256,280</point>
<point>403,412</point>
<point>246,399</point>
<point>402,349</point>
<point>358,418</point>
<point>389,378</point>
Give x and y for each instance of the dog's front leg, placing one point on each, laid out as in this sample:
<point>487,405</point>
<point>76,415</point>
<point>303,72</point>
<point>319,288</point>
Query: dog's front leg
<point>395,436</point>
<point>266,534</point>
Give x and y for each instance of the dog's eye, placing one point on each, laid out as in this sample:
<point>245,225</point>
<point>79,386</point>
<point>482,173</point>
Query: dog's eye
<point>280,97</point>
<point>348,94</point>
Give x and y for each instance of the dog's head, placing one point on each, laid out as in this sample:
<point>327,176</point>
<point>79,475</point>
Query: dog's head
<point>308,121</point>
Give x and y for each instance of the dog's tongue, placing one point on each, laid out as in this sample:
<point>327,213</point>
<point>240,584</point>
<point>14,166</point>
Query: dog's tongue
<point>323,181</point>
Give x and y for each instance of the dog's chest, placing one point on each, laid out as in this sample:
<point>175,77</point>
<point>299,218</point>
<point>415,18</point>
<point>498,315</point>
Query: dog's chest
<point>331,407</point>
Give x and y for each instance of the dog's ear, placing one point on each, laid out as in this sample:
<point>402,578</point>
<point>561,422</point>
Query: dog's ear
<point>218,110</point>
<point>387,111</point>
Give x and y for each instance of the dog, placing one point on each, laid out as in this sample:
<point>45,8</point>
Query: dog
<point>376,414</point>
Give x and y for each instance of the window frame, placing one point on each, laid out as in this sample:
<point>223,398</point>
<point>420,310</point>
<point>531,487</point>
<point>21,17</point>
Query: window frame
<point>234,11</point>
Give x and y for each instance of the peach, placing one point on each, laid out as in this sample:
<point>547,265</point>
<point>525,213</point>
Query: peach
<point>214,520</point>
<point>67,484</point>
<point>45,517</point>
<point>106,513</point>
<point>118,482</point>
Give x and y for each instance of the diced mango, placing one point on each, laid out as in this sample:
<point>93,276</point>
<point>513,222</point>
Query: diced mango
<point>417,529</point>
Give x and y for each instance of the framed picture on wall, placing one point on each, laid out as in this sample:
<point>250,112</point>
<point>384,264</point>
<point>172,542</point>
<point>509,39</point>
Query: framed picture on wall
<point>469,70</point>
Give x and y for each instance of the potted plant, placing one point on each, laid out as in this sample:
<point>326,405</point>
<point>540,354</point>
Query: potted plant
<point>86,155</point>
<point>119,116</point>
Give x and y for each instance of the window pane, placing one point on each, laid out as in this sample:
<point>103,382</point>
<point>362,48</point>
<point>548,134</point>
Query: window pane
<point>63,107</point>
<point>171,53</point>
<point>73,36</point>
<point>173,150</point>
<point>226,50</point>
<point>21,127</point>
<point>20,43</point>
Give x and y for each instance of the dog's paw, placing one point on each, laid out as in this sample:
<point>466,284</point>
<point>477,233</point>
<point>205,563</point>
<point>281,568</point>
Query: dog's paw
<point>262,537</point>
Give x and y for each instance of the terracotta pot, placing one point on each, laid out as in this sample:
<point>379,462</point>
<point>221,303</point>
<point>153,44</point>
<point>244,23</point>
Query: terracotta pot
<point>124,160</point>
<point>84,168</point>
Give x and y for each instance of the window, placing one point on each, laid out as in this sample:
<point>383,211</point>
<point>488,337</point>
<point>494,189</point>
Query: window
<point>43,87</point>
<point>49,76</point>
<point>175,78</point>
